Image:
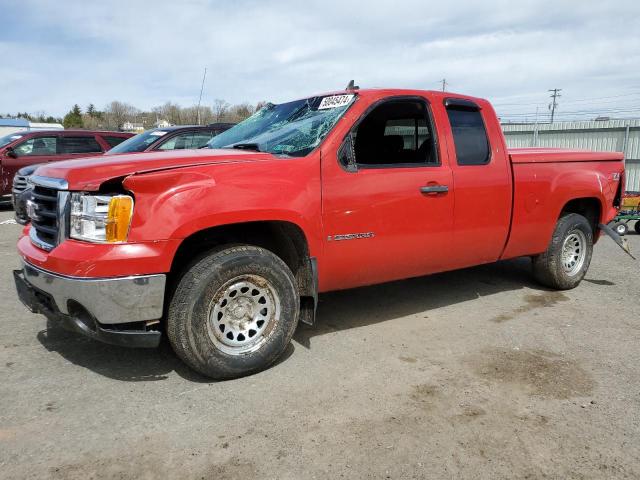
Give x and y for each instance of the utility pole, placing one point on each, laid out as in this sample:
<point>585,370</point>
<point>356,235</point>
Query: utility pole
<point>201,89</point>
<point>444,84</point>
<point>554,104</point>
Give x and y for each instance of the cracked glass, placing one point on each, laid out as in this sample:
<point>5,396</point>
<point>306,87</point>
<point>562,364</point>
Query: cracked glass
<point>292,129</point>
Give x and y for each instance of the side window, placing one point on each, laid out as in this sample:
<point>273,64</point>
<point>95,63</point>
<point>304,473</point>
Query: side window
<point>395,133</point>
<point>37,146</point>
<point>200,139</point>
<point>79,145</point>
<point>469,136</point>
<point>179,142</point>
<point>113,141</point>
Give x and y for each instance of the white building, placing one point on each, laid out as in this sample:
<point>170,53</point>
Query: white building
<point>13,125</point>
<point>601,136</point>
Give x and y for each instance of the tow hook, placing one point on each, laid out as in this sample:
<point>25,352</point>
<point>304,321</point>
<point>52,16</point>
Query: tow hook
<point>624,244</point>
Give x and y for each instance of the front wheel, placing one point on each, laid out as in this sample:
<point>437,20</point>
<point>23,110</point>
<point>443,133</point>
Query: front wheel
<point>636,227</point>
<point>566,261</point>
<point>233,312</point>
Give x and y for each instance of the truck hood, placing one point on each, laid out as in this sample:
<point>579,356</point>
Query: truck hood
<point>90,173</point>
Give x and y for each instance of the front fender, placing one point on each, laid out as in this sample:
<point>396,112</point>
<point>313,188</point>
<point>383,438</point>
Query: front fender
<point>174,204</point>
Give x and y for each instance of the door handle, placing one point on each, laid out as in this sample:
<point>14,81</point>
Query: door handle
<point>434,189</point>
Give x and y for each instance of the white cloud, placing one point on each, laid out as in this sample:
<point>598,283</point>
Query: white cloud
<point>147,53</point>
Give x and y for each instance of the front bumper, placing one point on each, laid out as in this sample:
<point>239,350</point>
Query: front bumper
<point>112,310</point>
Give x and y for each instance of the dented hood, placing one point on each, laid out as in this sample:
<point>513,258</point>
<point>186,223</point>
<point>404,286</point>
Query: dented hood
<point>90,173</point>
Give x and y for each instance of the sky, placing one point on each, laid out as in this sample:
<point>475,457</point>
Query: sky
<point>57,53</point>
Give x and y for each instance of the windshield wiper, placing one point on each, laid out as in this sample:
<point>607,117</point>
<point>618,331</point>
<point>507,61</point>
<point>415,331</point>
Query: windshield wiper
<point>247,146</point>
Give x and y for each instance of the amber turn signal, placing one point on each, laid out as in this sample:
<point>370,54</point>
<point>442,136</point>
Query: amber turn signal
<point>119,218</point>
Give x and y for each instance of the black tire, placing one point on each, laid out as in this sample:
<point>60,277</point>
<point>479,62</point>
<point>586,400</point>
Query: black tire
<point>636,227</point>
<point>193,329</point>
<point>549,268</point>
<point>621,228</point>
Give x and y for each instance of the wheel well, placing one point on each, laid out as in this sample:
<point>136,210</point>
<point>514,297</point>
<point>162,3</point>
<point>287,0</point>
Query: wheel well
<point>284,239</point>
<point>587,207</point>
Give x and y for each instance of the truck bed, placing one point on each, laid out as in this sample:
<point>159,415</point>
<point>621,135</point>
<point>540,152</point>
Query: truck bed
<point>555,155</point>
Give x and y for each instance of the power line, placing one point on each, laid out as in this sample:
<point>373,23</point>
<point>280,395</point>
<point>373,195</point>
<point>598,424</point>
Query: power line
<point>498,103</point>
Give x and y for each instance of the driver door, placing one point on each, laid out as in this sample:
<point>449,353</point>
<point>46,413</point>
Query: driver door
<point>389,215</point>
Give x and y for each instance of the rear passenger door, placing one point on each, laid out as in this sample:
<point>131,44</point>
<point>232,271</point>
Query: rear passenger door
<point>482,182</point>
<point>77,146</point>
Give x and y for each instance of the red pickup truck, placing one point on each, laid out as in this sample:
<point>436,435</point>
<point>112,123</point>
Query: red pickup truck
<point>226,249</point>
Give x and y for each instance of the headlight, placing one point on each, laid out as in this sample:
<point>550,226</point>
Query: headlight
<point>100,218</point>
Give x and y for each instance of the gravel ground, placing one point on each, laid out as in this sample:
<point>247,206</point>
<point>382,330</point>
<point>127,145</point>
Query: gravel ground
<point>478,373</point>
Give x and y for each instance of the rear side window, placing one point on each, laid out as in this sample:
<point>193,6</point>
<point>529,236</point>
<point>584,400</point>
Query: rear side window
<point>200,139</point>
<point>187,140</point>
<point>113,141</point>
<point>79,145</point>
<point>469,136</point>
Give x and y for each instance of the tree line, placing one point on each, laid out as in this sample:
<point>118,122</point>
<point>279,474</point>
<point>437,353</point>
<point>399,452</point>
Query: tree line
<point>116,114</point>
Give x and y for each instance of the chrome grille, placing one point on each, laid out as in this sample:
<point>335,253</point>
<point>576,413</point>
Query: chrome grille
<point>19,183</point>
<point>44,216</point>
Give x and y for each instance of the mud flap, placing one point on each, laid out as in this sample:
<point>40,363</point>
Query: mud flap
<point>622,242</point>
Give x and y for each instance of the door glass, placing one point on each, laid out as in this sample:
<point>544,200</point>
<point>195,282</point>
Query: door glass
<point>395,133</point>
<point>469,136</point>
<point>179,142</point>
<point>79,145</point>
<point>37,146</point>
<point>200,139</point>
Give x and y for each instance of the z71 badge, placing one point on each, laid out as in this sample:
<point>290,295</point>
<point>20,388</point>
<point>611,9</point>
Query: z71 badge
<point>350,236</point>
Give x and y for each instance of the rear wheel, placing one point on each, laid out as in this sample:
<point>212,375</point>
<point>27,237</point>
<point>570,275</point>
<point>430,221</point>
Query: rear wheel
<point>566,261</point>
<point>233,312</point>
<point>621,228</point>
<point>637,227</point>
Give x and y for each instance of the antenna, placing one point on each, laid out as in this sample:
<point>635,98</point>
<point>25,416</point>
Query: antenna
<point>352,86</point>
<point>444,84</point>
<point>201,90</point>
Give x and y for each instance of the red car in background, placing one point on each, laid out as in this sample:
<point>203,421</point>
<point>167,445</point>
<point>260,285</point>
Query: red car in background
<point>21,149</point>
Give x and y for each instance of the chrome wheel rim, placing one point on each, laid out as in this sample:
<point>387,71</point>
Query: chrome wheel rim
<point>242,314</point>
<point>574,251</point>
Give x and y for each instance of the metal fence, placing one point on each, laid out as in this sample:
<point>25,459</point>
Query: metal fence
<point>609,135</point>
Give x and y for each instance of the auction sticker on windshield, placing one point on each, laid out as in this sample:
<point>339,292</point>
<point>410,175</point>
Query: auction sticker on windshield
<point>158,133</point>
<point>335,101</point>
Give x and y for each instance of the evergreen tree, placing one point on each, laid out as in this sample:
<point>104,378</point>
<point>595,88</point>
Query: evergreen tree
<point>73,119</point>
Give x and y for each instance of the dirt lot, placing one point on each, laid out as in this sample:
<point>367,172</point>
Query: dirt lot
<point>471,374</point>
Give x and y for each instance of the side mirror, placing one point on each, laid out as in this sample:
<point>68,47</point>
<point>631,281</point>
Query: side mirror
<point>9,152</point>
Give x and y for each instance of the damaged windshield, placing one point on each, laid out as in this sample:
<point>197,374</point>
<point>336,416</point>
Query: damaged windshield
<point>293,128</point>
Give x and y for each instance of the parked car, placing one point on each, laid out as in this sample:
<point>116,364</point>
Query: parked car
<point>21,192</point>
<point>171,138</point>
<point>20,149</point>
<point>226,249</point>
